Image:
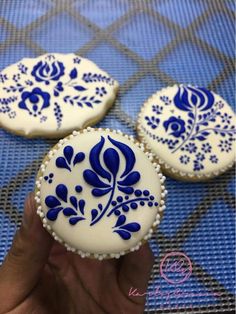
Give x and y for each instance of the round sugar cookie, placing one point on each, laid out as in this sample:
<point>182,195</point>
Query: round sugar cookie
<point>191,131</point>
<point>51,95</point>
<point>100,193</point>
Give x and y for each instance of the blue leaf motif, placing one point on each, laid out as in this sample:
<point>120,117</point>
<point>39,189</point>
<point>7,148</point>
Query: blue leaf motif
<point>68,211</point>
<point>68,153</point>
<point>92,178</point>
<point>126,190</point>
<point>94,214</point>
<point>61,163</point>
<point>132,227</point>
<point>123,234</point>
<point>131,179</point>
<point>81,206</point>
<point>120,221</point>
<point>95,162</point>
<point>73,73</point>
<point>112,160</point>
<point>73,221</point>
<point>73,201</point>
<point>80,89</point>
<point>61,191</point>
<point>78,158</point>
<point>51,201</point>
<point>100,192</point>
<point>53,213</point>
<point>128,154</point>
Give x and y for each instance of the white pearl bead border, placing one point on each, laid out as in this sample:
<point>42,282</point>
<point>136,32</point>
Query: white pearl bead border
<point>167,168</point>
<point>41,214</point>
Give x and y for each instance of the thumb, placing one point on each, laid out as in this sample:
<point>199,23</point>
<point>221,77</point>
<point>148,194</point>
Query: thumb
<point>21,269</point>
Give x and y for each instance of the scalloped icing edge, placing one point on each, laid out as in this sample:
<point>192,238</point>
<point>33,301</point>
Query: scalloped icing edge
<point>41,214</point>
<point>165,167</point>
<point>88,123</point>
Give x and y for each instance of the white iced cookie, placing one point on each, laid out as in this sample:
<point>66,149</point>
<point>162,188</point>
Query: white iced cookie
<point>190,130</point>
<point>53,94</point>
<point>100,193</point>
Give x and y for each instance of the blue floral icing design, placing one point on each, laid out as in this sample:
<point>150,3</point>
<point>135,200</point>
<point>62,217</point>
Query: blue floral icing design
<point>214,159</point>
<point>175,126</point>
<point>70,206</point>
<point>204,117</point>
<point>105,177</point>
<point>184,159</point>
<point>27,86</point>
<point>152,121</point>
<point>35,101</point>
<point>66,160</point>
<point>45,71</point>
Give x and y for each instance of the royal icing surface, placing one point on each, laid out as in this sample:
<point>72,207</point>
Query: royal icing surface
<point>53,94</point>
<point>100,193</point>
<point>190,129</point>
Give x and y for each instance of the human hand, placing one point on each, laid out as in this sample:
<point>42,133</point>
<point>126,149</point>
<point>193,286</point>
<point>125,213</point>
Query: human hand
<point>39,276</point>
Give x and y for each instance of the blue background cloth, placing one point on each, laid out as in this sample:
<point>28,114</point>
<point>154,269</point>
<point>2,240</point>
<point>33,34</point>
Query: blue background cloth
<point>145,45</point>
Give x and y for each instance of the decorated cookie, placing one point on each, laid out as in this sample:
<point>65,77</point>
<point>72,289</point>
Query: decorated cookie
<point>190,130</point>
<point>53,94</point>
<point>100,193</point>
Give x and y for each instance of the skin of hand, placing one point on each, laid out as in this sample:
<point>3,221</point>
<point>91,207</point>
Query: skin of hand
<point>38,276</point>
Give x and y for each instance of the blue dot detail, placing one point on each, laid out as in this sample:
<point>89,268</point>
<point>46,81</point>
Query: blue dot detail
<point>46,178</point>
<point>133,205</point>
<point>125,208</point>
<point>150,204</point>
<point>126,197</point>
<point>50,181</point>
<point>78,188</point>
<point>146,192</point>
<point>142,203</point>
<point>156,204</point>
<point>113,203</point>
<point>119,199</point>
<point>117,212</point>
<point>51,175</point>
<point>138,193</point>
<point>151,197</point>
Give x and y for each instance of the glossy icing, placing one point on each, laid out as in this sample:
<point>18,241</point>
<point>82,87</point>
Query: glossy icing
<point>190,129</point>
<point>53,94</point>
<point>106,193</point>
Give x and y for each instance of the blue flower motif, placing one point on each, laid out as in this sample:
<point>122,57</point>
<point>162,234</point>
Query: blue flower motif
<point>225,145</point>
<point>157,109</point>
<point>152,122</point>
<point>200,157</point>
<point>45,71</point>
<point>225,118</point>
<point>3,78</point>
<point>206,148</point>
<point>176,125</point>
<point>101,91</point>
<point>197,165</point>
<point>184,159</point>
<point>191,148</point>
<point>73,208</point>
<point>214,159</point>
<point>166,100</point>
<point>34,101</point>
<point>188,97</point>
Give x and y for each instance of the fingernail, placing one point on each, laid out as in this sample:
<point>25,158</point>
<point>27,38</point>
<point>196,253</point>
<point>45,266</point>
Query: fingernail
<point>28,217</point>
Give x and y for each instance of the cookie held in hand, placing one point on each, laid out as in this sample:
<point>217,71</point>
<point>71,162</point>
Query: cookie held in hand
<point>100,193</point>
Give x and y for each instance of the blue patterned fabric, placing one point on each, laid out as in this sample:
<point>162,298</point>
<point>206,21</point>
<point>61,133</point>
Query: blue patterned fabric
<point>145,45</point>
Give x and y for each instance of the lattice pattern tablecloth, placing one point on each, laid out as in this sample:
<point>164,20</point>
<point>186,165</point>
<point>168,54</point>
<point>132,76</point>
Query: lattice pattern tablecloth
<point>145,45</point>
